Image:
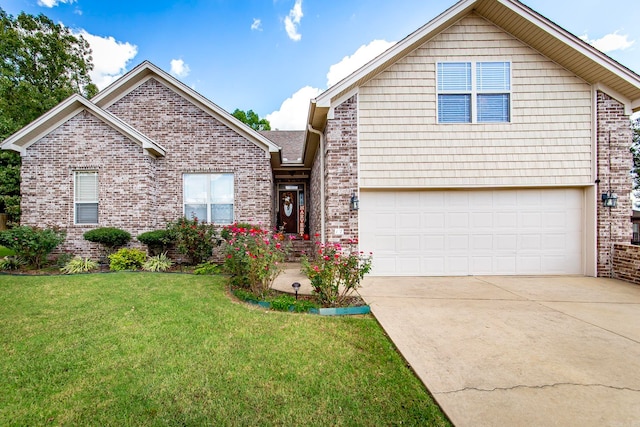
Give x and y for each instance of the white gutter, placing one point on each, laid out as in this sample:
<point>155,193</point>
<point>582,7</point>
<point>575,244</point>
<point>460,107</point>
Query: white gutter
<point>322,215</point>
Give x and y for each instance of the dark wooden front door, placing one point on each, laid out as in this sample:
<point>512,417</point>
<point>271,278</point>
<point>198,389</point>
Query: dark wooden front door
<point>289,211</point>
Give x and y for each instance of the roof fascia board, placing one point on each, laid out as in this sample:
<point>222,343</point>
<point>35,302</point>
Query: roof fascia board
<point>572,41</point>
<point>147,70</point>
<point>402,47</point>
<point>63,112</point>
<point>628,109</point>
<point>340,100</point>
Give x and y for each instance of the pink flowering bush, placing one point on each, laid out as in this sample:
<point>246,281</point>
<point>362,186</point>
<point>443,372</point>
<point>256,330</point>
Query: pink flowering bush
<point>253,256</point>
<point>335,271</point>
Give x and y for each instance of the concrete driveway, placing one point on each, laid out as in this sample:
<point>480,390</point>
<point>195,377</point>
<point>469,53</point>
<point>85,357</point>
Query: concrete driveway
<point>518,351</point>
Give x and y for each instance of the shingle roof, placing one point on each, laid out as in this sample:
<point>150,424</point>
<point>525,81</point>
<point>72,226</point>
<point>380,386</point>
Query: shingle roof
<point>291,142</point>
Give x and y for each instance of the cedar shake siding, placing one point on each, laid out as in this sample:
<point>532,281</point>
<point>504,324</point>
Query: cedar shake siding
<point>548,140</point>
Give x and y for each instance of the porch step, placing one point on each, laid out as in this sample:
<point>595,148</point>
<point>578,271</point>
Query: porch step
<point>299,248</point>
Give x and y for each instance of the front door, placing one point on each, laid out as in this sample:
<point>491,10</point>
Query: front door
<point>289,211</point>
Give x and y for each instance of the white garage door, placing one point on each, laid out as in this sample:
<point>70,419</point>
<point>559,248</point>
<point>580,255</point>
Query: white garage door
<point>455,233</point>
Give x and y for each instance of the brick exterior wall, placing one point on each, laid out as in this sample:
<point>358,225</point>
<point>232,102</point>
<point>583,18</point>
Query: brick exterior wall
<point>314,198</point>
<point>139,193</point>
<point>626,262</point>
<point>341,171</point>
<point>614,162</point>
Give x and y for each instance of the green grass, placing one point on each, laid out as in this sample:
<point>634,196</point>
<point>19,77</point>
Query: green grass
<point>5,252</point>
<point>131,349</point>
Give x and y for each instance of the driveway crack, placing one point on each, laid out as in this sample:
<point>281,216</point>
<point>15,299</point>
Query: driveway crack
<point>542,386</point>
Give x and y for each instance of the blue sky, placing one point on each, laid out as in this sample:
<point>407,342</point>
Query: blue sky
<point>273,55</point>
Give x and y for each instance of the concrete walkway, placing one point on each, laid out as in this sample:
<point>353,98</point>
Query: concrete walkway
<point>518,351</point>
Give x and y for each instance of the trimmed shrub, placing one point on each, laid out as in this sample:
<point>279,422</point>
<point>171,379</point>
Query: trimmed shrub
<point>10,263</point>
<point>157,241</point>
<point>79,265</point>
<point>193,238</point>
<point>254,257</point>
<point>127,259</point>
<point>32,244</point>
<point>208,268</point>
<point>158,263</point>
<point>109,237</point>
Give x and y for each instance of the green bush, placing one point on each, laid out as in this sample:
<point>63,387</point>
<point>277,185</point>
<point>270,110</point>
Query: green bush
<point>254,257</point>
<point>32,244</point>
<point>127,259</point>
<point>10,263</point>
<point>282,302</point>
<point>158,263</point>
<point>109,237</point>
<point>193,238</point>
<point>157,241</point>
<point>207,268</point>
<point>335,271</point>
<point>79,265</point>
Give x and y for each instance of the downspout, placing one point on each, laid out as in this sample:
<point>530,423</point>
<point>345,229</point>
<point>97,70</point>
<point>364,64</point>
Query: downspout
<point>322,216</point>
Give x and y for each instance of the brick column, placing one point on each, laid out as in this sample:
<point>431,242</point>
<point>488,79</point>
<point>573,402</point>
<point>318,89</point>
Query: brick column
<point>614,163</point>
<point>341,171</point>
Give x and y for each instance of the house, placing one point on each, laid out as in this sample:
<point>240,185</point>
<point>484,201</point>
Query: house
<point>489,141</point>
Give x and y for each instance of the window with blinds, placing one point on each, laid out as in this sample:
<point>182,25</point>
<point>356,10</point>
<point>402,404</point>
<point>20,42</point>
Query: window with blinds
<point>209,197</point>
<point>86,197</point>
<point>474,92</point>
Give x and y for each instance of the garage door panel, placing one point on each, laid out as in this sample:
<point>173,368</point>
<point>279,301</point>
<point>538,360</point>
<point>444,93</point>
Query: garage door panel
<point>481,242</point>
<point>506,220</point>
<point>457,265</point>
<point>536,231</point>
<point>457,220</point>
<point>408,243</point>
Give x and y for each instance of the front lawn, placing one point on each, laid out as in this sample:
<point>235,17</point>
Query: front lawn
<point>132,349</point>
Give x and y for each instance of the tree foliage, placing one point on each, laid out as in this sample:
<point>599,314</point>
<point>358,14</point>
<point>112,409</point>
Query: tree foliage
<point>42,64</point>
<point>252,119</point>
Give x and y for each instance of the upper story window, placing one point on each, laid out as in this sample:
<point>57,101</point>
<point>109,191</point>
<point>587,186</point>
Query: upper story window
<point>209,197</point>
<point>474,92</point>
<point>86,197</point>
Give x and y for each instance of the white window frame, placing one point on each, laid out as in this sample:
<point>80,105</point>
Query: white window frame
<point>77,202</point>
<point>474,92</point>
<point>209,198</point>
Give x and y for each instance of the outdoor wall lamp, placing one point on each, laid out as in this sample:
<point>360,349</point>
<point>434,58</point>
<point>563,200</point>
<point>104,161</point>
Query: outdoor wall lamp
<point>609,200</point>
<point>296,287</point>
<point>354,204</point>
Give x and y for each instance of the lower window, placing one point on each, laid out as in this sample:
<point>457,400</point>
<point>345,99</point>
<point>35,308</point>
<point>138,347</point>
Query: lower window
<point>86,197</point>
<point>209,197</point>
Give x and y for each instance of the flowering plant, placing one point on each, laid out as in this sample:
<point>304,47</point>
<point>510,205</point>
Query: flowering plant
<point>335,271</point>
<point>253,256</point>
<point>193,238</point>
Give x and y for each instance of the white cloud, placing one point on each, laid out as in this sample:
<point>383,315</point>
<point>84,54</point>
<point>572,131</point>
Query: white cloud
<point>349,64</point>
<point>179,68</point>
<point>292,21</point>
<point>610,42</point>
<point>53,3</point>
<point>292,114</point>
<point>257,25</point>
<point>110,58</point>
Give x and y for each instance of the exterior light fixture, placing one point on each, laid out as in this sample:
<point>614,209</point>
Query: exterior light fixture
<point>354,204</point>
<point>296,287</point>
<point>609,200</point>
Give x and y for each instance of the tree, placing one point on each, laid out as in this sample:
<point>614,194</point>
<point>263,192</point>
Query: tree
<point>252,119</point>
<point>42,64</point>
